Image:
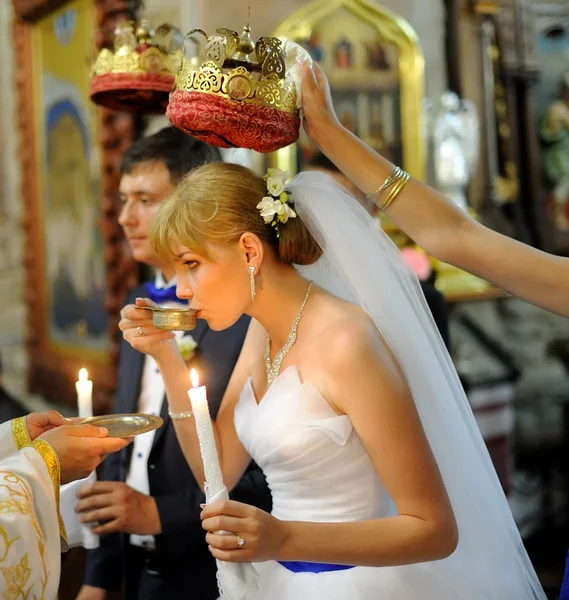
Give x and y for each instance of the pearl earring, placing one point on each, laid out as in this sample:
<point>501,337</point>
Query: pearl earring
<point>252,281</point>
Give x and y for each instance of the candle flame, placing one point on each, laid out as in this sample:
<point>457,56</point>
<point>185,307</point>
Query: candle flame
<point>83,375</point>
<point>194,378</point>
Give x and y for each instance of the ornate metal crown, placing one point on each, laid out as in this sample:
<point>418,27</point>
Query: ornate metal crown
<point>224,68</point>
<point>139,72</point>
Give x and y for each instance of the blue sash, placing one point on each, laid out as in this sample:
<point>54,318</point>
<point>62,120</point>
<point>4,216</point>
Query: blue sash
<point>308,567</point>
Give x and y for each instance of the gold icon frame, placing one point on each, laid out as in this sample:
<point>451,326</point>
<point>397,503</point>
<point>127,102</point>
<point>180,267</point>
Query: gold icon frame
<point>393,30</point>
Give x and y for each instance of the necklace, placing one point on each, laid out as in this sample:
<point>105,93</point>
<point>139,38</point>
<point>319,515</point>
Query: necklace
<point>273,368</point>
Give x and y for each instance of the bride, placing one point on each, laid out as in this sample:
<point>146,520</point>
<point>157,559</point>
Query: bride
<point>344,395</point>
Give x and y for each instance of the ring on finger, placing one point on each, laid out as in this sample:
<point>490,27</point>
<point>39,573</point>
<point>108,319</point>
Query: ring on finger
<point>140,331</point>
<point>240,542</point>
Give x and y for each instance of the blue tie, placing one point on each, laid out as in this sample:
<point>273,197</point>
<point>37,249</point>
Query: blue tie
<point>161,295</point>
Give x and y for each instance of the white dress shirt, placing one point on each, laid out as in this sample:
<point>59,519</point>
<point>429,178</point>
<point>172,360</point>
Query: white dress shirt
<point>149,402</point>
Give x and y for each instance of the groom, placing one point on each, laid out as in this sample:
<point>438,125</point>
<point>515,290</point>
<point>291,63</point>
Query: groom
<point>152,545</point>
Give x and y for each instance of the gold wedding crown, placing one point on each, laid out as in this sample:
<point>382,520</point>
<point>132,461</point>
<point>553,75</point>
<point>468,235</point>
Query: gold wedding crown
<point>234,67</point>
<point>140,49</point>
<point>140,69</point>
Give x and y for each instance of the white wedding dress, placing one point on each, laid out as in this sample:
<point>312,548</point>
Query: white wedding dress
<point>317,468</point>
<point>318,471</point>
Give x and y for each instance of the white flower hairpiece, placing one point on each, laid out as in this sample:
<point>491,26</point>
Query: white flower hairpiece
<point>275,208</point>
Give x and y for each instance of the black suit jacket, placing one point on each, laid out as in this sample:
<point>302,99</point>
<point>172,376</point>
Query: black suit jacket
<point>180,548</point>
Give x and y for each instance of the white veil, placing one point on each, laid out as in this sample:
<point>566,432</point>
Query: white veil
<point>361,264</point>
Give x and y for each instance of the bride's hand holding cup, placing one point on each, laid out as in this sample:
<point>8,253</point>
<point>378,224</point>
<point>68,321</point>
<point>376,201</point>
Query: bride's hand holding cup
<point>139,331</point>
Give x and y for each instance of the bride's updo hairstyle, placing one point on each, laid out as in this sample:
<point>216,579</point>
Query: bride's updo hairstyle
<point>216,204</point>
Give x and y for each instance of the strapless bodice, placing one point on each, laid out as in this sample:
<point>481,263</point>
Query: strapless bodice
<point>314,462</point>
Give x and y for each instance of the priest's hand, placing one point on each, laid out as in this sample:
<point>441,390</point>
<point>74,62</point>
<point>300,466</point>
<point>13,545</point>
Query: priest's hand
<point>138,330</point>
<point>119,507</point>
<point>81,448</point>
<point>40,422</point>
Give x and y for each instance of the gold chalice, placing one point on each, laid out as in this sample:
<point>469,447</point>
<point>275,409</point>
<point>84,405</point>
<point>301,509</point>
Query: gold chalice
<point>172,319</point>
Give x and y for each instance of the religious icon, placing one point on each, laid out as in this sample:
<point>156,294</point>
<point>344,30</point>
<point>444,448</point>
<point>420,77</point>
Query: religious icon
<point>343,54</point>
<point>313,46</point>
<point>555,137</point>
<point>72,244</point>
<point>376,56</point>
<point>73,264</point>
<point>239,87</point>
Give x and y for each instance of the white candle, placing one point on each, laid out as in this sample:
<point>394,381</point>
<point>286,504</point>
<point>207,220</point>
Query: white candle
<point>240,578</point>
<point>208,448</point>
<point>84,389</point>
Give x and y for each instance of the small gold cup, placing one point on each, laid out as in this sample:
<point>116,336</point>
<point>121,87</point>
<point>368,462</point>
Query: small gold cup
<point>172,319</point>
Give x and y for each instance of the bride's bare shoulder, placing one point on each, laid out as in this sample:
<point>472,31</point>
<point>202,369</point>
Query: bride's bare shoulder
<point>334,317</point>
<point>348,334</point>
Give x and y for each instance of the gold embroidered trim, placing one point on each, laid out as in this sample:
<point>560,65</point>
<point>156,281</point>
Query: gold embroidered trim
<point>20,433</point>
<point>51,460</point>
<point>19,501</point>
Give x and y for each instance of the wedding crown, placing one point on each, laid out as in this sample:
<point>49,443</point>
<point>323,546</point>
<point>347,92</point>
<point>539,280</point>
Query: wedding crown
<point>138,74</point>
<point>225,68</point>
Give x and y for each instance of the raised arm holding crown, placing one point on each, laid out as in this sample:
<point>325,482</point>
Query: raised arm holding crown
<point>430,219</point>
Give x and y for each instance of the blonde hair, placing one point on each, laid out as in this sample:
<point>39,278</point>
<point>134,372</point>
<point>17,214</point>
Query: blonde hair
<point>216,204</point>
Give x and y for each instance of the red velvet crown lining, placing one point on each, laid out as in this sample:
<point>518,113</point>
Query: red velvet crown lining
<point>140,93</point>
<point>230,123</point>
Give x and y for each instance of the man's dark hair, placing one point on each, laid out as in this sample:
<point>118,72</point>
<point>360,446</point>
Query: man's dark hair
<point>178,151</point>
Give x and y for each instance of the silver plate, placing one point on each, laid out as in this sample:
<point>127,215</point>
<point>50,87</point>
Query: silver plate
<point>123,426</point>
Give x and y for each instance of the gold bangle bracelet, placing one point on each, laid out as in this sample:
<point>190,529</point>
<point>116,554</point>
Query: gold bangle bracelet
<point>391,179</point>
<point>395,191</point>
